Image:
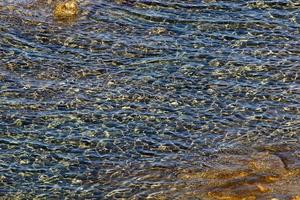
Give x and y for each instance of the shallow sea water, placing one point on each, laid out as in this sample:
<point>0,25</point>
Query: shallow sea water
<point>150,100</point>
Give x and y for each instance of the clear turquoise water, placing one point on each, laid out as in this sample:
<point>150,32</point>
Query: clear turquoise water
<point>111,104</point>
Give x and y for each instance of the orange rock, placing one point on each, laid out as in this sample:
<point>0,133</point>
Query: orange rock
<point>66,9</point>
<point>296,197</point>
<point>262,188</point>
<point>259,175</point>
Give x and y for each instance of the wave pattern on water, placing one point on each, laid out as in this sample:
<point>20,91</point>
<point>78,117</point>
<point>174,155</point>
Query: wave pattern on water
<point>91,108</point>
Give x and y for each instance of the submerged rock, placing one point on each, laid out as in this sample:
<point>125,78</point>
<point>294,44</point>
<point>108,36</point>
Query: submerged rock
<point>66,9</point>
<point>260,175</point>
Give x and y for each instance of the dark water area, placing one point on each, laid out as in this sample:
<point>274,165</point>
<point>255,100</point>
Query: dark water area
<point>147,99</point>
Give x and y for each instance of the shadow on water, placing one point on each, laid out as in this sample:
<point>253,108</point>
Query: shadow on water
<point>150,99</point>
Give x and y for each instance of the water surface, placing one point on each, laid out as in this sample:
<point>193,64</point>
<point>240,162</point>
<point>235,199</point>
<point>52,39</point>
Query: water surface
<point>119,102</point>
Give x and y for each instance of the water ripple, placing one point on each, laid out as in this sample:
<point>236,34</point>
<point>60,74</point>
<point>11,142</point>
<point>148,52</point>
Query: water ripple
<point>128,98</point>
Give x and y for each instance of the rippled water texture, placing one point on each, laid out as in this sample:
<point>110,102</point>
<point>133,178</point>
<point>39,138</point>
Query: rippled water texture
<point>161,99</point>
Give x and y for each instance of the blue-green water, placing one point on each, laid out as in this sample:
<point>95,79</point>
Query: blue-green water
<point>110,104</point>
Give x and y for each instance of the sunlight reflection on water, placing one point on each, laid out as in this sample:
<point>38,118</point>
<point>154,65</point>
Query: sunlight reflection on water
<point>138,99</point>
